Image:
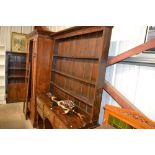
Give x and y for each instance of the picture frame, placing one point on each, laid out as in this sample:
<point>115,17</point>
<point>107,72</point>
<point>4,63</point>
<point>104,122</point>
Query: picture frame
<point>18,42</point>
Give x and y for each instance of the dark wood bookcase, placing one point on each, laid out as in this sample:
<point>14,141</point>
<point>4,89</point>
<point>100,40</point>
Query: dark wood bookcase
<point>15,76</point>
<point>78,69</point>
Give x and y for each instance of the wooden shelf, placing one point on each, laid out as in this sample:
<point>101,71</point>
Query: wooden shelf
<point>73,57</point>
<point>16,76</point>
<point>17,83</point>
<point>17,68</point>
<point>80,98</point>
<point>74,31</point>
<point>73,77</point>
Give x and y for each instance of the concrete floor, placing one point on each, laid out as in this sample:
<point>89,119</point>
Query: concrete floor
<point>12,117</point>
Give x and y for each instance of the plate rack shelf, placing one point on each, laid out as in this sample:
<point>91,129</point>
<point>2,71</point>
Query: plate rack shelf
<point>78,68</point>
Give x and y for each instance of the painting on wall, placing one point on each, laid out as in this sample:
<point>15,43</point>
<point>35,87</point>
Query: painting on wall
<point>18,42</point>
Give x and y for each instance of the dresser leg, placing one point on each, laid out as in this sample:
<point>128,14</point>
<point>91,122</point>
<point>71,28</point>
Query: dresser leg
<point>37,121</point>
<point>43,123</point>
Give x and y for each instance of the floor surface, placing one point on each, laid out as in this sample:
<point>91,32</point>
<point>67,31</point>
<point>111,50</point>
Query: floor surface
<point>12,117</point>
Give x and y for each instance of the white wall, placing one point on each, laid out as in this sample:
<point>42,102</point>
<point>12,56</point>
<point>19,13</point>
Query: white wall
<point>137,84</point>
<point>6,31</point>
<point>57,28</point>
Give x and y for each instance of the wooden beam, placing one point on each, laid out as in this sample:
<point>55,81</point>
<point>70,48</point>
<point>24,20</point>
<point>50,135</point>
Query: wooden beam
<point>119,98</point>
<point>136,50</point>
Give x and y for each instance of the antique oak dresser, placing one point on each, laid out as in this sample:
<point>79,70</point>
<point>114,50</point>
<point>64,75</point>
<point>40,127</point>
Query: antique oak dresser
<point>77,73</point>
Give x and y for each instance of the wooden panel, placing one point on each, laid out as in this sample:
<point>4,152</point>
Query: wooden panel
<point>44,54</point>
<point>16,92</point>
<point>78,68</point>
<point>21,92</point>
<point>12,94</point>
<point>76,31</point>
<point>39,55</point>
<point>132,118</point>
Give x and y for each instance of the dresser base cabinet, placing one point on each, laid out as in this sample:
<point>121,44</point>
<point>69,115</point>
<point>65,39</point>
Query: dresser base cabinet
<point>16,92</point>
<point>50,113</point>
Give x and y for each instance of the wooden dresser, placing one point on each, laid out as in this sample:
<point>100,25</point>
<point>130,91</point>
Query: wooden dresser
<point>77,73</point>
<point>39,57</point>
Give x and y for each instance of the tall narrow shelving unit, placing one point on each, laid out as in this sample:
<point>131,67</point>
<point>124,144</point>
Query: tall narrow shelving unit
<point>2,75</point>
<point>15,73</point>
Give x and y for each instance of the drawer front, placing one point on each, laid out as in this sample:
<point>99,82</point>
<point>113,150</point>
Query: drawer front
<point>53,118</point>
<point>58,124</point>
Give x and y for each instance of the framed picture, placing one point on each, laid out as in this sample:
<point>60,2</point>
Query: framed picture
<point>18,42</point>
